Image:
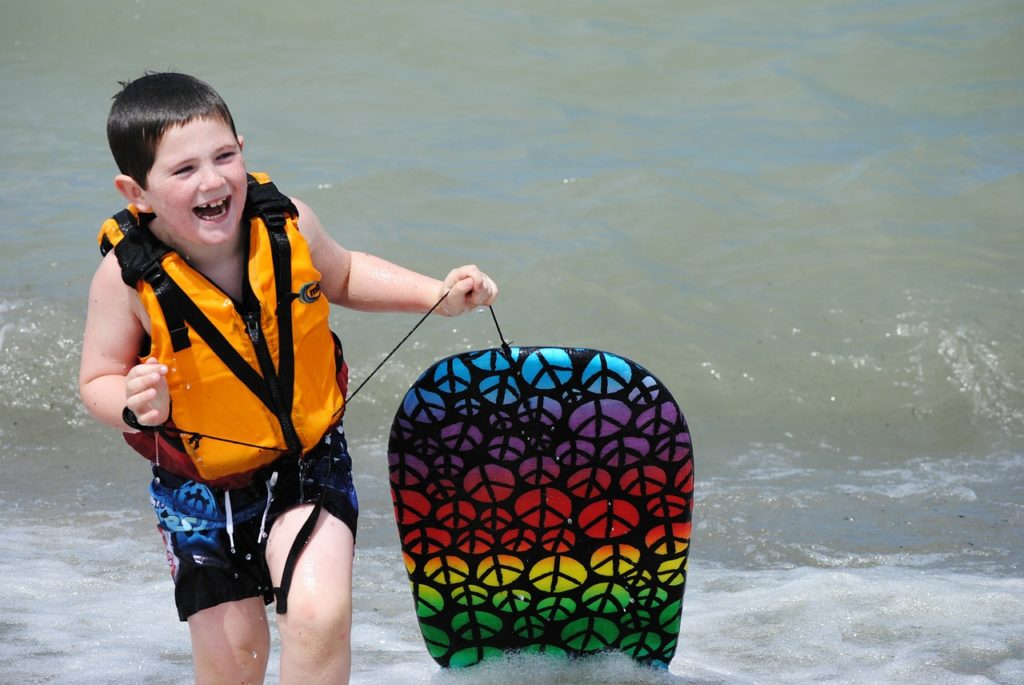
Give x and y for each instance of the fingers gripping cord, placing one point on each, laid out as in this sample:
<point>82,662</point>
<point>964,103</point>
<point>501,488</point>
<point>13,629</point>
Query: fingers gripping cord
<point>504,343</point>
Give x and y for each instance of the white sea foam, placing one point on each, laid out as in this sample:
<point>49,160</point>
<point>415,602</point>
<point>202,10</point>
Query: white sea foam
<point>85,607</point>
<point>887,624</point>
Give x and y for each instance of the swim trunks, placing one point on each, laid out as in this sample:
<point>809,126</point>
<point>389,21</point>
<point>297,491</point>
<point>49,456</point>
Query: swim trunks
<point>216,539</point>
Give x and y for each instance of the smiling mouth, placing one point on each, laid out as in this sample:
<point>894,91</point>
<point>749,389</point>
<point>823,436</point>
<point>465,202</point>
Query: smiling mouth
<point>213,210</point>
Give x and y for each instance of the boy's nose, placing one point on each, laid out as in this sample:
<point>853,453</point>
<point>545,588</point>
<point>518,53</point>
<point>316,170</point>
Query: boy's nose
<point>211,179</point>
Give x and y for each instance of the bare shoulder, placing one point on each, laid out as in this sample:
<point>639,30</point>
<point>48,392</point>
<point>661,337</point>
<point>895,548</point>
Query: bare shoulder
<point>107,277</point>
<point>114,330</point>
<point>331,259</point>
<point>309,226</point>
<point>308,220</point>
<point>113,305</point>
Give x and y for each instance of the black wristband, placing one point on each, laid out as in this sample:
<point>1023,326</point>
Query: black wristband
<point>129,417</point>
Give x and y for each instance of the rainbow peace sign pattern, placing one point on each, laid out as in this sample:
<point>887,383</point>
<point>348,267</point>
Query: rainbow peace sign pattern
<point>543,498</point>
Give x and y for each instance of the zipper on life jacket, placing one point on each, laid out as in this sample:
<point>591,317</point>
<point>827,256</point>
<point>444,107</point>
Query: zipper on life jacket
<point>255,331</point>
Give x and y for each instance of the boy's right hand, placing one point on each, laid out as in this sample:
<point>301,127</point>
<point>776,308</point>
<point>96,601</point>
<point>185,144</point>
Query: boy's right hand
<point>146,392</point>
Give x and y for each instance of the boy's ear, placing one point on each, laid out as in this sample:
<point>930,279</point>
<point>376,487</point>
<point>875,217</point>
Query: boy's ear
<point>131,191</point>
<point>241,143</point>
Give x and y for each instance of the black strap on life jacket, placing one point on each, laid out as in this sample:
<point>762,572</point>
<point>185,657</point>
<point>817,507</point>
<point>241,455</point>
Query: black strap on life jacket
<point>139,254</point>
<point>267,202</point>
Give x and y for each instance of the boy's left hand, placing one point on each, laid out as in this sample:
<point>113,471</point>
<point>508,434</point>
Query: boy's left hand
<point>468,288</point>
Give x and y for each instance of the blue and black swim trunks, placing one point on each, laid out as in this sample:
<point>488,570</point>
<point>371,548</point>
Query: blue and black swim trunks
<point>216,538</point>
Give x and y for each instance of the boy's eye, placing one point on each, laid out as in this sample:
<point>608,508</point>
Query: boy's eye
<point>226,155</point>
<point>182,170</point>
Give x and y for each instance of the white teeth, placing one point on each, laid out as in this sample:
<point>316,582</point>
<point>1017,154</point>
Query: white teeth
<point>212,210</point>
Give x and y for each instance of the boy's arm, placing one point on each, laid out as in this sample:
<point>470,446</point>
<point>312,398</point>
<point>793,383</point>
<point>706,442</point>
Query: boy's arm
<point>362,281</point>
<point>110,377</point>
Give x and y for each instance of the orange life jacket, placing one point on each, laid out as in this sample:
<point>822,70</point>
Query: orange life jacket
<point>249,381</point>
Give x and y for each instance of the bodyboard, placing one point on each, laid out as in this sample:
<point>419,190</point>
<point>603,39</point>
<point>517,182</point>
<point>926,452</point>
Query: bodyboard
<point>543,500</point>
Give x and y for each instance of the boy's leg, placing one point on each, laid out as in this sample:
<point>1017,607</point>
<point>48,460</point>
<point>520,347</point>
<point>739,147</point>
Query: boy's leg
<point>316,630</point>
<point>230,642</point>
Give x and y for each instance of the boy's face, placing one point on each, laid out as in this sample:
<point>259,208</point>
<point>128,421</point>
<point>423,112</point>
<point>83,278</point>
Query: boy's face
<point>197,185</point>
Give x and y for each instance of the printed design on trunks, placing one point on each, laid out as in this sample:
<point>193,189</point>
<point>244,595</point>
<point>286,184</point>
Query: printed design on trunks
<point>190,517</point>
<point>188,508</point>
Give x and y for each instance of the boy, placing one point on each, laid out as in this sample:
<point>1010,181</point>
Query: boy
<point>207,343</point>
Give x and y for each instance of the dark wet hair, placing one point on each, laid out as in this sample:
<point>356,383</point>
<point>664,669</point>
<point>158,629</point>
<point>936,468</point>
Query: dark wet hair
<point>146,107</point>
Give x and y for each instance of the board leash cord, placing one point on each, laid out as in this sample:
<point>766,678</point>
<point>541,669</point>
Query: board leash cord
<point>504,344</point>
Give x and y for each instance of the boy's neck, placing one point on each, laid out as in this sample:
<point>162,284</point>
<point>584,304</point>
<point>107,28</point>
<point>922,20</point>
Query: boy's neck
<point>222,264</point>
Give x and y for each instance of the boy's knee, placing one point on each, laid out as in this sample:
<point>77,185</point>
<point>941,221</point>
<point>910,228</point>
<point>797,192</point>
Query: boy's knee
<point>315,640</point>
<point>317,620</point>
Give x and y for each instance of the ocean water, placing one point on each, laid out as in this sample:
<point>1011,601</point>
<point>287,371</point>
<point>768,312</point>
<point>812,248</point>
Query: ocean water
<point>805,218</point>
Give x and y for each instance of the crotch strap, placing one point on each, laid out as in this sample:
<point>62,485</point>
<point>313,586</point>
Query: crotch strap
<point>302,539</point>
